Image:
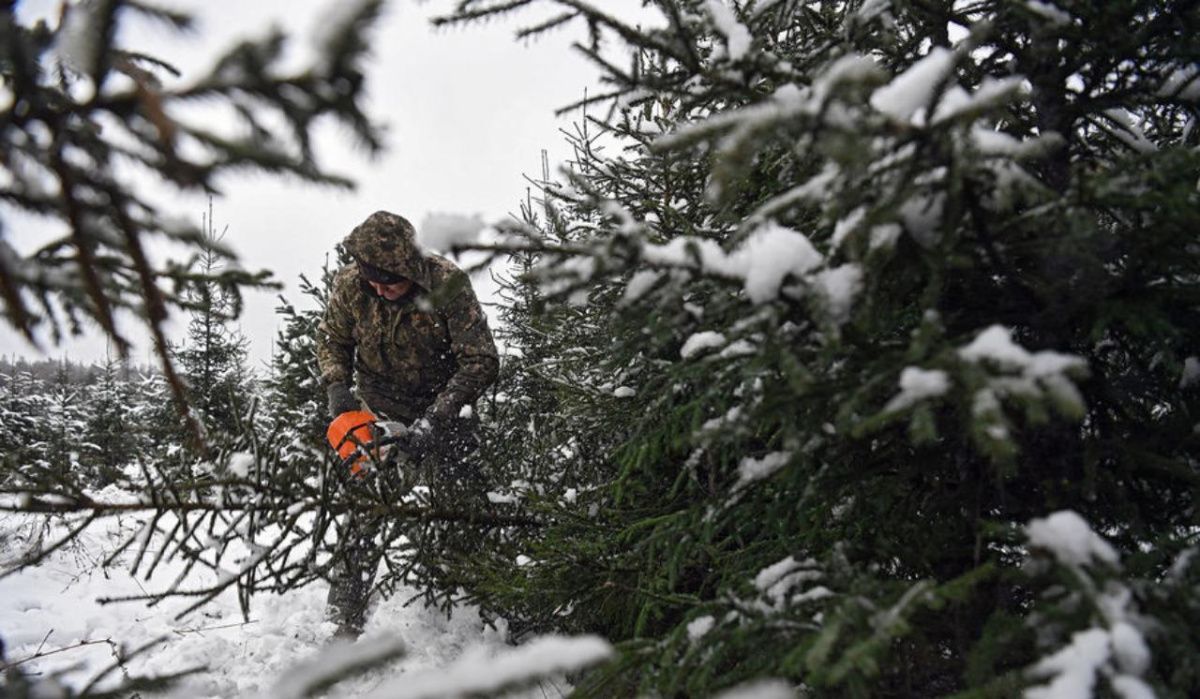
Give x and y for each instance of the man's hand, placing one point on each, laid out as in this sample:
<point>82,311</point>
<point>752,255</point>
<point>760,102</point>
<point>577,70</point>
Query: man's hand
<point>425,435</point>
<point>341,400</point>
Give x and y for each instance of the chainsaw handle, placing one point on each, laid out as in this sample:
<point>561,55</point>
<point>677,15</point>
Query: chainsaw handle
<point>371,451</point>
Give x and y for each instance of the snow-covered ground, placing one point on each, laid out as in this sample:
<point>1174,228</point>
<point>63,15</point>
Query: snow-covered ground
<point>54,606</point>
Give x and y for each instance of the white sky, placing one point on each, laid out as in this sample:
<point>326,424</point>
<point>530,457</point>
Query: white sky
<point>468,111</point>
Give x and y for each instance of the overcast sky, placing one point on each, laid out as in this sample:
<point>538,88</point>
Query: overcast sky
<point>468,111</point>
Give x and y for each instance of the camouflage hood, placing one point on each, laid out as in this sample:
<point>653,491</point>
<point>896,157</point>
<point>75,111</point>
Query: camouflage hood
<point>389,242</point>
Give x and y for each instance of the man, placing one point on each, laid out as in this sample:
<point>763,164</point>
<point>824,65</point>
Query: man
<point>405,329</point>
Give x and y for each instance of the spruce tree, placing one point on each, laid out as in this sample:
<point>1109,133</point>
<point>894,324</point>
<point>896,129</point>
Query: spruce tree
<point>154,418</point>
<point>62,425</point>
<point>902,296</point>
<point>212,358</point>
<point>295,400</point>
<point>22,408</point>
<point>111,436</point>
<point>864,362</point>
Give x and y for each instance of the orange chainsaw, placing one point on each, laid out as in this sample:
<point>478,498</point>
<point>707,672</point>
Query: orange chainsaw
<point>359,438</point>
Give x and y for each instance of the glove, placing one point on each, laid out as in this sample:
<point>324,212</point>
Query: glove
<point>425,435</point>
<point>341,400</point>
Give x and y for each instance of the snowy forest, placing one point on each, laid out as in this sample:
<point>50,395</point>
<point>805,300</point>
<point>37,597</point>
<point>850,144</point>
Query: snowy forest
<point>854,353</point>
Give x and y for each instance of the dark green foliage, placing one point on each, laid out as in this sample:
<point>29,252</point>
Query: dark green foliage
<point>22,410</point>
<point>157,429</point>
<point>64,413</point>
<point>983,226</point>
<point>112,439</point>
<point>212,360</point>
<point>62,425</point>
<point>294,395</point>
<point>856,351</point>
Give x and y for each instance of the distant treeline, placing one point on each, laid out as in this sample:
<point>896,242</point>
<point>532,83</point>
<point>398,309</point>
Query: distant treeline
<point>67,370</point>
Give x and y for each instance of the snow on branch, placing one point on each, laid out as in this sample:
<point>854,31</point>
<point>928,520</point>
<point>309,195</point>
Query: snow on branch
<point>737,37</point>
<point>334,663</point>
<point>1067,537</point>
<point>913,89</point>
<point>1112,649</point>
<point>1024,373</point>
<point>760,689</point>
<point>917,384</point>
<point>763,262</point>
<point>478,673</point>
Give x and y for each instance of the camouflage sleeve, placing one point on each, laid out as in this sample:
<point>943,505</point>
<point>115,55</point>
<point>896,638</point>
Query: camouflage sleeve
<point>474,351</point>
<point>335,333</point>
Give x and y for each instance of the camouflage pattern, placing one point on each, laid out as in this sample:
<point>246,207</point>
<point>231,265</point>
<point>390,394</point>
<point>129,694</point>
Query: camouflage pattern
<point>431,350</point>
<point>389,242</point>
<point>428,352</point>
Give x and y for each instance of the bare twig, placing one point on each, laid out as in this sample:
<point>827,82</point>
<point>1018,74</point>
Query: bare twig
<point>202,629</point>
<point>45,654</point>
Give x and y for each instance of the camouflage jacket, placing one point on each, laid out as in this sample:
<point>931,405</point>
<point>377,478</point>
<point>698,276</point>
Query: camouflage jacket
<point>430,351</point>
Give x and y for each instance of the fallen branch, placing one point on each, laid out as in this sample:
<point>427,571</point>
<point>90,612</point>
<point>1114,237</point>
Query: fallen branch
<point>4,666</point>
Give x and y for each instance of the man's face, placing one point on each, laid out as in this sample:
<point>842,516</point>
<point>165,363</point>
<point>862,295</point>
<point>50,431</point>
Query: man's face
<point>392,292</point>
